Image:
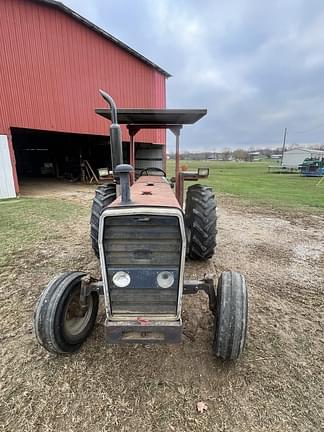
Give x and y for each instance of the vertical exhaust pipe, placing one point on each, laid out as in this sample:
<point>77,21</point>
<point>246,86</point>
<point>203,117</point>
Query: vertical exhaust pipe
<point>115,133</point>
<point>121,171</point>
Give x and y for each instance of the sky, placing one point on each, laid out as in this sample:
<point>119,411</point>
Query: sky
<point>256,65</point>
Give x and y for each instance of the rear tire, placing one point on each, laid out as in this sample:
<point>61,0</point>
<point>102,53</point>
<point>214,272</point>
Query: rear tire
<point>59,324</point>
<point>231,316</point>
<point>201,220</point>
<point>105,195</point>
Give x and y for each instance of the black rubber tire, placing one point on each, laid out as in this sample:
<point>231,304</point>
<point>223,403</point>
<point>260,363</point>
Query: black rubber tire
<point>201,222</point>
<point>105,195</point>
<point>50,312</point>
<point>231,316</point>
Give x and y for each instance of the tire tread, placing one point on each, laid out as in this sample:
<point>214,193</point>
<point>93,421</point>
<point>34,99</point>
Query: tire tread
<point>201,222</point>
<point>231,316</point>
<point>104,196</point>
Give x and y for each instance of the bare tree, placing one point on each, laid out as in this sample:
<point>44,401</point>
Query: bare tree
<point>226,153</point>
<point>241,154</point>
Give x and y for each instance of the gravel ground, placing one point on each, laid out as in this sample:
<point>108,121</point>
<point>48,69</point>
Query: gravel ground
<point>277,385</point>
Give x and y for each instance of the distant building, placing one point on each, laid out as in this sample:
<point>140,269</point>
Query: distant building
<point>255,156</point>
<point>220,156</point>
<point>214,156</point>
<point>293,158</point>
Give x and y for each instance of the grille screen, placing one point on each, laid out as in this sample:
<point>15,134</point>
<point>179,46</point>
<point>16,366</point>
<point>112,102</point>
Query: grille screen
<point>142,245</point>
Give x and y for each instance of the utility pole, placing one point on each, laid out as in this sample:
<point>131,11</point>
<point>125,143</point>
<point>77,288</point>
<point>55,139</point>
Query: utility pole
<point>283,144</point>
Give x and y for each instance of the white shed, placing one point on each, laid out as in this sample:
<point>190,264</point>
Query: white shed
<point>292,158</point>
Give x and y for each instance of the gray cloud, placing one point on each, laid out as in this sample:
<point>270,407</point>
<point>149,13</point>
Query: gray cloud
<point>257,66</point>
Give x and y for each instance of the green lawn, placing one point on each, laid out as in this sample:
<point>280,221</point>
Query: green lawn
<point>251,181</point>
<point>26,221</point>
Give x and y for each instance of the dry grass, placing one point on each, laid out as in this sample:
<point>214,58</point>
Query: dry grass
<point>276,386</point>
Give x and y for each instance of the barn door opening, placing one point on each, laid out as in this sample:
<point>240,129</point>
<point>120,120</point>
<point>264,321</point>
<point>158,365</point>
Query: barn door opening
<point>44,156</point>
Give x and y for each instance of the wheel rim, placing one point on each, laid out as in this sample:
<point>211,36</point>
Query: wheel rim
<point>76,320</point>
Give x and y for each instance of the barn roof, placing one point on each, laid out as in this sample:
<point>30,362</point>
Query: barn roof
<point>60,6</point>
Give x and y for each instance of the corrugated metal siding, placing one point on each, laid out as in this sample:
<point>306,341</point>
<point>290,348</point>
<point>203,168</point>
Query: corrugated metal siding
<point>52,67</point>
<point>7,185</point>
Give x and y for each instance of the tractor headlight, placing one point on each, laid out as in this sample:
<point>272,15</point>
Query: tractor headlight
<point>121,279</point>
<point>165,279</point>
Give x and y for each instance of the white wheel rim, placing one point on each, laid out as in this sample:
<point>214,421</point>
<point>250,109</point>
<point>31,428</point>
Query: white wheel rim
<point>75,320</point>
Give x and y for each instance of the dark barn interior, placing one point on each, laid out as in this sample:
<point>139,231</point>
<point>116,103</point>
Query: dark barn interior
<point>43,154</point>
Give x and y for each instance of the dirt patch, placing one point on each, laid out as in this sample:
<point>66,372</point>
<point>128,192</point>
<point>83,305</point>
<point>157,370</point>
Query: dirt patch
<point>52,188</point>
<point>277,385</point>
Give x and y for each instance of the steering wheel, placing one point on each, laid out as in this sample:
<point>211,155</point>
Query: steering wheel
<point>145,171</point>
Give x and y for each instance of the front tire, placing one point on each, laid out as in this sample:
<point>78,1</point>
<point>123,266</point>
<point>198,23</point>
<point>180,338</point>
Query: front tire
<point>201,220</point>
<point>231,316</point>
<point>59,323</point>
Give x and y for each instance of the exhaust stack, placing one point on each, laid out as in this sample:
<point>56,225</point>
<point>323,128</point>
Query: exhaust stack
<point>121,171</point>
<point>115,133</point>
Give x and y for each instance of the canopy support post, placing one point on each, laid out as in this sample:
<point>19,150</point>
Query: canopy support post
<point>176,131</point>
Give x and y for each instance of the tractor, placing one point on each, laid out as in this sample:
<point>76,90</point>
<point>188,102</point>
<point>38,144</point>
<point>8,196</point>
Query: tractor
<point>143,236</point>
<point>312,167</point>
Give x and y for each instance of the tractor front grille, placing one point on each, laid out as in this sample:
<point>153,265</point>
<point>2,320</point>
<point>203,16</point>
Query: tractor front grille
<point>142,245</point>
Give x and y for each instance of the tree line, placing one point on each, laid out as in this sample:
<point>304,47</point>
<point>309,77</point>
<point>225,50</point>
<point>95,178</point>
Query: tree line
<point>240,154</point>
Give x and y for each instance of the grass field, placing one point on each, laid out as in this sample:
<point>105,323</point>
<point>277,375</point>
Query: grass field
<point>26,221</point>
<point>251,181</point>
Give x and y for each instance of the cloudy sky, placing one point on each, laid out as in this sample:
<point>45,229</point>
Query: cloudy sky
<point>257,65</point>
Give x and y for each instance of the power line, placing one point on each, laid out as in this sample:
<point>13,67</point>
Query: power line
<point>309,130</point>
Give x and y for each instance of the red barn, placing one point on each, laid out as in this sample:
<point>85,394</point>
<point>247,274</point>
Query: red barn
<point>53,61</point>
